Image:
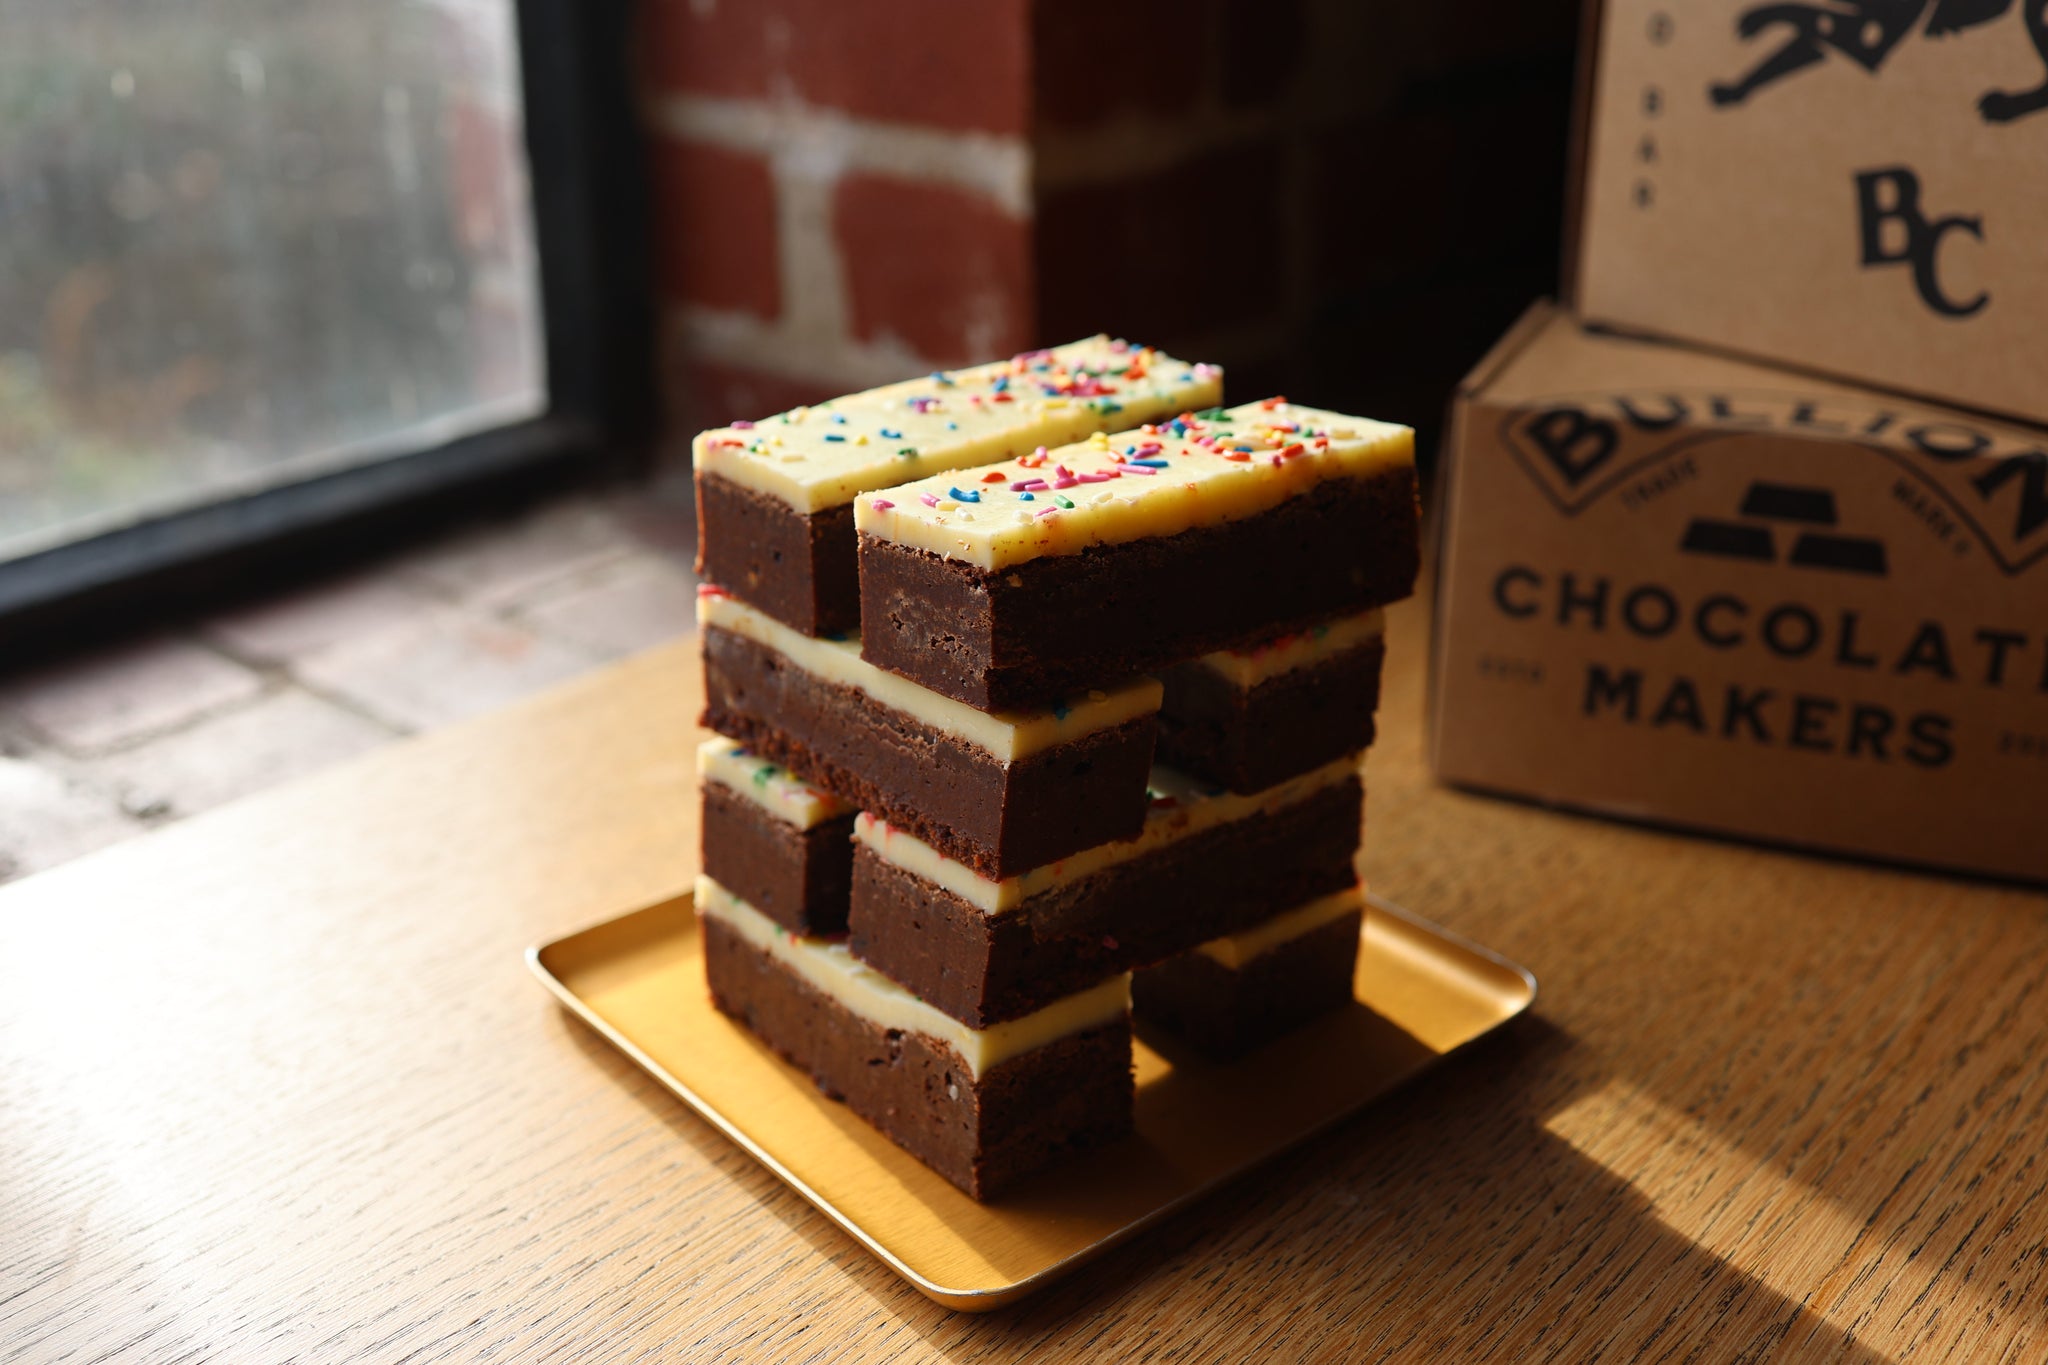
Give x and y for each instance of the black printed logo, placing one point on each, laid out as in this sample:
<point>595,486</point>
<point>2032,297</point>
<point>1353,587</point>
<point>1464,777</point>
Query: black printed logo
<point>1771,508</point>
<point>1894,231</point>
<point>1867,32</point>
<point>1582,448</point>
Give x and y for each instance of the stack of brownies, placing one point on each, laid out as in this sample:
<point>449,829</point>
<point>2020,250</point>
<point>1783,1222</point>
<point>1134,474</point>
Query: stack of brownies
<point>941,868</point>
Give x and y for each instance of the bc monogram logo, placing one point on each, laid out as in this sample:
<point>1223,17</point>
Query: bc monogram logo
<point>1894,231</point>
<point>1892,228</point>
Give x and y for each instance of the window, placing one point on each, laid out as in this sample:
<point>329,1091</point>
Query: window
<point>249,248</point>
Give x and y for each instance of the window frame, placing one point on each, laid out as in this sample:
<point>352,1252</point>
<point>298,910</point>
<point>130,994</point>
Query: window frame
<point>586,166</point>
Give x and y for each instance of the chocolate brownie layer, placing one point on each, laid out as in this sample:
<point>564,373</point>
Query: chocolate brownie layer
<point>798,567</point>
<point>1247,739</point>
<point>1047,627</point>
<point>983,1134</point>
<point>1226,1012</point>
<point>800,878</point>
<point>983,968</point>
<point>997,816</point>
<point>774,497</point>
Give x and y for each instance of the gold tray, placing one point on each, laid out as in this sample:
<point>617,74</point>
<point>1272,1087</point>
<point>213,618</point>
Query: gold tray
<point>638,980</point>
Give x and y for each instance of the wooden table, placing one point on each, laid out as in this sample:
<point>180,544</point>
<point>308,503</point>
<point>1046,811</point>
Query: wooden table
<point>274,1084</point>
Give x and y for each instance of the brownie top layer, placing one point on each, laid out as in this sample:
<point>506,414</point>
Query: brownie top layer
<point>1235,950</point>
<point>1160,480</point>
<point>770,786</point>
<point>831,968</point>
<point>1180,807</point>
<point>820,457</point>
<point>1249,667</point>
<point>1005,735</point>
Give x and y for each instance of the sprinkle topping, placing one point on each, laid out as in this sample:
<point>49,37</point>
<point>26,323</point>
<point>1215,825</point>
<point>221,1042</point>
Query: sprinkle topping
<point>822,457</point>
<point>1192,469</point>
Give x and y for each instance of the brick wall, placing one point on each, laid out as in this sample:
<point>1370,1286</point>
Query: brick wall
<point>1344,199</point>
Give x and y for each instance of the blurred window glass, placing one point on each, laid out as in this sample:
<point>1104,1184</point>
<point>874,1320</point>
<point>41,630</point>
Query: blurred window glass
<point>246,242</point>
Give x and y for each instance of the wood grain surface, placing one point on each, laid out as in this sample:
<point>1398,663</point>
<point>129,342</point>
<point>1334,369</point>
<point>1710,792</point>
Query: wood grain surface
<point>275,1085</point>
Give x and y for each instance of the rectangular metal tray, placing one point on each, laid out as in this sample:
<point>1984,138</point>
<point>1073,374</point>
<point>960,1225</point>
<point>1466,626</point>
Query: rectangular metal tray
<point>638,980</point>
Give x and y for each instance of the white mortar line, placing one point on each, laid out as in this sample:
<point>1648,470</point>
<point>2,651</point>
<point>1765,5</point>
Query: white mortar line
<point>829,143</point>
<point>778,347</point>
<point>814,293</point>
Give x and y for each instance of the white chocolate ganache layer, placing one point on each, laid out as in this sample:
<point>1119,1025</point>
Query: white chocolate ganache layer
<point>1005,735</point>
<point>1236,950</point>
<point>1180,807</point>
<point>1247,668</point>
<point>1160,480</point>
<point>830,967</point>
<point>820,457</point>
<point>773,788</point>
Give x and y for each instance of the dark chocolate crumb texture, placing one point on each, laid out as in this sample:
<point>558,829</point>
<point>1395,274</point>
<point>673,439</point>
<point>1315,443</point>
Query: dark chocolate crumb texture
<point>1208,863</point>
<point>1248,718</point>
<point>774,517</point>
<point>1240,992</point>
<point>1000,792</point>
<point>1062,570</point>
<point>774,840</point>
<point>982,1107</point>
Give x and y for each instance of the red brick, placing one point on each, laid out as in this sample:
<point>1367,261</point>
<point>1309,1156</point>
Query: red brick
<point>1163,256</point>
<point>439,667</point>
<point>945,63</point>
<point>118,694</point>
<point>1093,61</point>
<point>285,735</point>
<point>721,49</point>
<point>715,222</point>
<point>628,607</point>
<point>943,269</point>
<point>46,818</point>
<point>502,561</point>
<point>711,394</point>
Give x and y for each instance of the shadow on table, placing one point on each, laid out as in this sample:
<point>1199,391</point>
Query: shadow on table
<point>1398,1233</point>
<point>1402,1235</point>
<point>1870,1036</point>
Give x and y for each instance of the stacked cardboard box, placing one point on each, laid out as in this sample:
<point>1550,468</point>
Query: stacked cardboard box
<point>936,857</point>
<point>1731,594</point>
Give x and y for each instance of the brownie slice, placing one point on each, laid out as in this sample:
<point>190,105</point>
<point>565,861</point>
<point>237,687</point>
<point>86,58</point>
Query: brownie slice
<point>1000,793</point>
<point>984,952</point>
<point>776,842</point>
<point>775,497</point>
<point>983,1128</point>
<point>1235,994</point>
<point>1246,719</point>
<point>799,567</point>
<point>1002,603</point>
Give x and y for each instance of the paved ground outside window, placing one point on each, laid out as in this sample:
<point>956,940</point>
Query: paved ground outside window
<point>103,745</point>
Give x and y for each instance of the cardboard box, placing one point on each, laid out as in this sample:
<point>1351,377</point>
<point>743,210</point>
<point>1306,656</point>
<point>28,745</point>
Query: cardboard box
<point>1687,589</point>
<point>1856,187</point>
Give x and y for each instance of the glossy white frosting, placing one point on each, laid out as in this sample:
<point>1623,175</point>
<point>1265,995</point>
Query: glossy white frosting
<point>1180,807</point>
<point>1247,668</point>
<point>820,457</point>
<point>1158,481</point>
<point>1007,735</point>
<point>830,967</point>
<point>773,788</point>
<point>1235,950</point>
